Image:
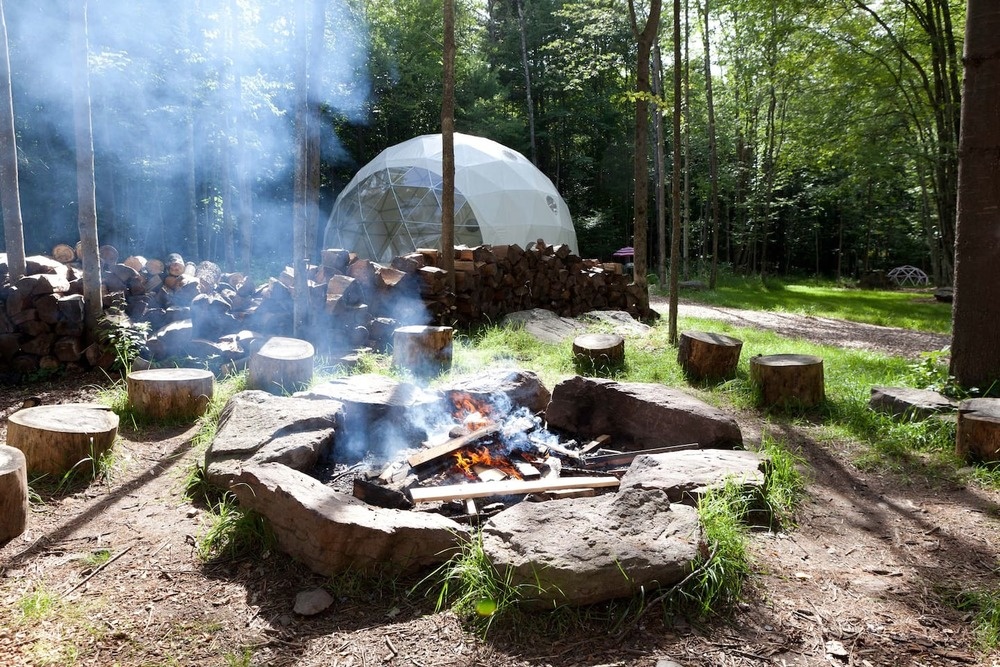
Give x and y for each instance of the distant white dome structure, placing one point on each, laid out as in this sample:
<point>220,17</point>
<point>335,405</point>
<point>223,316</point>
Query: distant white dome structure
<point>393,204</point>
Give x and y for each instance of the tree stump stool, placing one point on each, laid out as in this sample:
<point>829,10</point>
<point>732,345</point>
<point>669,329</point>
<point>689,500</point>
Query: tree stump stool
<point>423,350</point>
<point>177,394</point>
<point>55,438</point>
<point>788,380</point>
<point>708,356</point>
<point>13,493</point>
<point>978,434</point>
<point>599,351</point>
<point>282,365</point>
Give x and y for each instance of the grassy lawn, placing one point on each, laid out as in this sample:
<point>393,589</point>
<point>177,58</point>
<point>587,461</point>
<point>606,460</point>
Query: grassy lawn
<point>908,309</point>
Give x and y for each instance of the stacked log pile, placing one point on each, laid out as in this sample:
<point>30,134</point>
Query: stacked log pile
<point>202,312</point>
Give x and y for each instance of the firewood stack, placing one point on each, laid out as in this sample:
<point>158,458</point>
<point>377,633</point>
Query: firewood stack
<point>198,310</point>
<point>41,321</point>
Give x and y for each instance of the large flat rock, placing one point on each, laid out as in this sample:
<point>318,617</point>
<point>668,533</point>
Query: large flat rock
<point>331,532</point>
<point>638,415</point>
<point>545,325</point>
<point>585,550</point>
<point>910,403</point>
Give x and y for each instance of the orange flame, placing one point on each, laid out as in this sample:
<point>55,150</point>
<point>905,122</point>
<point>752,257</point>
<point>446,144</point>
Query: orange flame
<point>471,413</point>
<point>467,457</point>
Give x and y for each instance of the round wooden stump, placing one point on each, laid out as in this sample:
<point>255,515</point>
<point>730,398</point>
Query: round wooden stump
<point>978,434</point>
<point>708,356</point>
<point>282,365</point>
<point>55,438</point>
<point>13,493</point>
<point>181,394</point>
<point>788,380</point>
<point>599,350</point>
<point>425,351</point>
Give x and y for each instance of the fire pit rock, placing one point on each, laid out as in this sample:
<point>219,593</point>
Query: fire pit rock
<point>263,445</point>
<point>520,389</point>
<point>584,550</point>
<point>639,415</point>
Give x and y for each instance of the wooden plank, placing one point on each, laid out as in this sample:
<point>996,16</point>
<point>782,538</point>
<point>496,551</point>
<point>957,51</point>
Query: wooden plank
<point>509,487</point>
<point>626,458</point>
<point>453,445</point>
<point>594,444</point>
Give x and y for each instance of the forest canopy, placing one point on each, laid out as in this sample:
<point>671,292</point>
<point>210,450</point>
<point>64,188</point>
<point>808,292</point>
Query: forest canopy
<point>836,122</point>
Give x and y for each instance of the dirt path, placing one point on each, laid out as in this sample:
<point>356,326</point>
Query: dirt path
<point>822,330</point>
<point>866,579</point>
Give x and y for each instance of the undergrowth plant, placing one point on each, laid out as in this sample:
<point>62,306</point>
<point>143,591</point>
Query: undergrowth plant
<point>984,605</point>
<point>234,532</point>
<point>196,487</point>
<point>784,483</point>
<point>469,585</point>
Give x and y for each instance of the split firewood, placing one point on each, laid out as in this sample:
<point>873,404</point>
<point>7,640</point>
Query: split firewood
<point>63,253</point>
<point>594,444</point>
<point>509,487</point>
<point>380,496</point>
<point>453,445</point>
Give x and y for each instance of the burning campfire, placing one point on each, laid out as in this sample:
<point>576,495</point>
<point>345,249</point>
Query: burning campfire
<point>497,454</point>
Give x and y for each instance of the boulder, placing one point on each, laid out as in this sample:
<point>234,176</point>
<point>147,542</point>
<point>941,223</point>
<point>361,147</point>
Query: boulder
<point>330,532</point>
<point>382,416</point>
<point>620,322</point>
<point>910,403</point>
<point>503,390</point>
<point>686,476</point>
<point>638,415</point>
<point>585,550</point>
<point>544,325</point>
<point>258,426</point>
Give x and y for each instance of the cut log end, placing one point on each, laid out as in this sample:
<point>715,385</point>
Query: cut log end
<point>425,351</point>
<point>788,381</point>
<point>599,351</point>
<point>282,365</point>
<point>708,356</point>
<point>172,394</point>
<point>13,493</point>
<point>56,438</point>
<point>977,437</point>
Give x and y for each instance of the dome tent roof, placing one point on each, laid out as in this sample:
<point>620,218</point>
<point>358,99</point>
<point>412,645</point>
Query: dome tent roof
<point>393,204</point>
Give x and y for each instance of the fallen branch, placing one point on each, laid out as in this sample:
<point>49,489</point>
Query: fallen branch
<point>98,570</point>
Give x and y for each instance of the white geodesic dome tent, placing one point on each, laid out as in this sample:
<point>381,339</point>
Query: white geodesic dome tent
<point>393,204</point>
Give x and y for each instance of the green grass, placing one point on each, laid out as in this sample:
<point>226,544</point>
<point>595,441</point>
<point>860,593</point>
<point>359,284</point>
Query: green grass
<point>984,605</point>
<point>234,532</point>
<point>897,308</point>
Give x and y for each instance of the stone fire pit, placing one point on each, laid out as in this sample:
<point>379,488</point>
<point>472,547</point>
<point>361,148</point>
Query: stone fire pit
<point>580,550</point>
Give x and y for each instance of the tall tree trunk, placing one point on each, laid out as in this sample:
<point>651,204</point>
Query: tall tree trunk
<point>86,189</point>
<point>190,189</point>
<point>13,230</point>
<point>661,168</point>
<point>675,240</point>
<point>640,199</point>
<point>713,155</point>
<point>448,147</point>
<point>975,348</point>
<point>527,81</point>
<point>300,186</point>
<point>314,128</point>
<point>687,145</point>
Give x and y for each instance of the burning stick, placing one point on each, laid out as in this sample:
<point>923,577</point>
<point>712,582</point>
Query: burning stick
<point>453,445</point>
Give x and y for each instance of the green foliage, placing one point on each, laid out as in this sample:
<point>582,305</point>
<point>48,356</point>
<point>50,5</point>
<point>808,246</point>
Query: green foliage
<point>931,372</point>
<point>984,605</point>
<point>39,604</point>
<point>234,532</point>
<point>725,564</point>
<point>785,483</point>
<point>469,585</point>
<point>196,487</point>
<point>96,558</point>
<point>123,337</point>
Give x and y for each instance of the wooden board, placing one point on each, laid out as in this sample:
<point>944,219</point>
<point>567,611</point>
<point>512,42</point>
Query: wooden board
<point>508,487</point>
<point>55,438</point>
<point>180,394</point>
<point>13,493</point>
<point>437,451</point>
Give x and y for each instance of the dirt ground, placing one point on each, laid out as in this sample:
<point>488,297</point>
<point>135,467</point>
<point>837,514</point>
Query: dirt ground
<point>864,579</point>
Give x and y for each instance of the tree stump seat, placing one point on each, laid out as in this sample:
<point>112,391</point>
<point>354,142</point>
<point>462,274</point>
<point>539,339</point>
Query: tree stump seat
<point>55,438</point>
<point>181,394</point>
<point>788,380</point>
<point>598,350</point>
<point>425,351</point>
<point>282,365</point>
<point>13,493</point>
<point>978,435</point>
<point>708,356</point>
